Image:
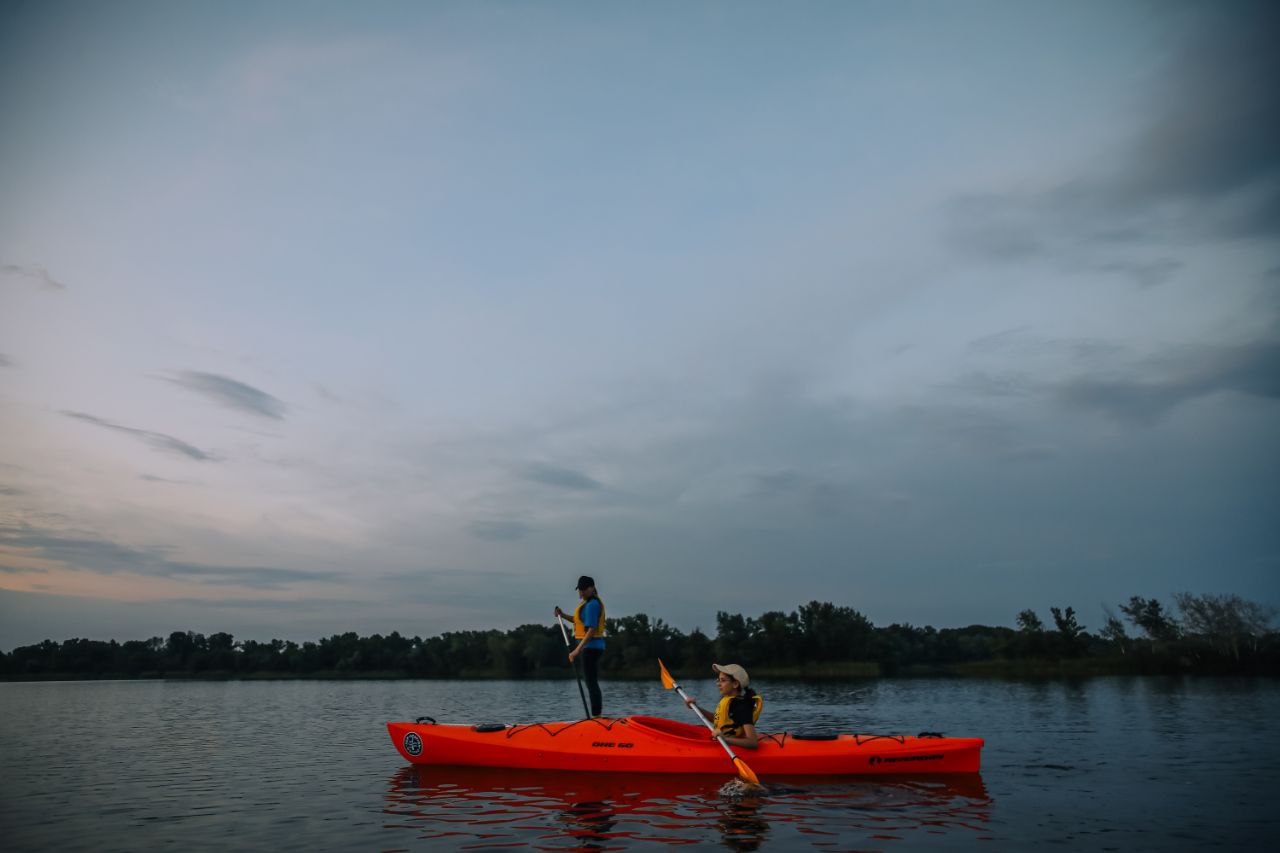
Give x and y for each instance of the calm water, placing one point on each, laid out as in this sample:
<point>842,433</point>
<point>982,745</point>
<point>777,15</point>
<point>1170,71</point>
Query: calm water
<point>1104,764</point>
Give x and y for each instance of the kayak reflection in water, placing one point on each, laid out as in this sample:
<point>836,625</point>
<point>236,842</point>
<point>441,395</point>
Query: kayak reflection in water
<point>590,824</point>
<point>742,825</point>
<point>494,808</point>
<point>739,707</point>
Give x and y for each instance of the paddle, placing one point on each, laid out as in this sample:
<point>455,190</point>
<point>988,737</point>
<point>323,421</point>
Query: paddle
<point>581,692</point>
<point>743,770</point>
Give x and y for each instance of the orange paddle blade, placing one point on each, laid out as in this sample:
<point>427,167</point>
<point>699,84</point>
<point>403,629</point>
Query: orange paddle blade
<point>746,772</point>
<point>667,681</point>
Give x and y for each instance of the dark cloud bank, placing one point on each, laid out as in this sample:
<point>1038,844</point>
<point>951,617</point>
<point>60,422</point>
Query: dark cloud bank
<point>1204,164</point>
<point>1253,370</point>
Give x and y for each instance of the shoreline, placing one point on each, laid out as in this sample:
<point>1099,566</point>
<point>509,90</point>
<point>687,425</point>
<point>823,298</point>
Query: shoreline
<point>828,672</point>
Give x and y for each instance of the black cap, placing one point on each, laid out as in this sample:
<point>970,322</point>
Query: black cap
<point>585,581</point>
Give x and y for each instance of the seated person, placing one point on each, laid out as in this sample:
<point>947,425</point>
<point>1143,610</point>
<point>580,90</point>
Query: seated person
<point>735,717</point>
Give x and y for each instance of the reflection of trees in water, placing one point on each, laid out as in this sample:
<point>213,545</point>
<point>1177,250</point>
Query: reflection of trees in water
<point>742,825</point>
<point>590,824</point>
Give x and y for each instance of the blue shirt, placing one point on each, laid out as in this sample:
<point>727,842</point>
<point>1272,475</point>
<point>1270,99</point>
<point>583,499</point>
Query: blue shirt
<point>591,616</point>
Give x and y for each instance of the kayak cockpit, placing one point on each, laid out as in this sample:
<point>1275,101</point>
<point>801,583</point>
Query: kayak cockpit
<point>670,728</point>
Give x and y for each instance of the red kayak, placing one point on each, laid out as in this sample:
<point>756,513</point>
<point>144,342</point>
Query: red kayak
<point>657,745</point>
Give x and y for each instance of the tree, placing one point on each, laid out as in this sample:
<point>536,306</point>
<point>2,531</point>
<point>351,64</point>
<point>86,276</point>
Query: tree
<point>504,652</point>
<point>632,639</point>
<point>186,649</point>
<point>1226,621</point>
<point>1066,623</point>
<point>1113,629</point>
<point>732,636</point>
<point>1029,622</point>
<point>831,633</point>
<point>699,649</point>
<point>775,637</point>
<point>1149,615</point>
<point>1069,630</point>
<point>540,649</point>
<point>221,652</point>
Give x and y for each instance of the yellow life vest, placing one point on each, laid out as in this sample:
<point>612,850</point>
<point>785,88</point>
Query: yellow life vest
<point>726,725</point>
<point>580,630</point>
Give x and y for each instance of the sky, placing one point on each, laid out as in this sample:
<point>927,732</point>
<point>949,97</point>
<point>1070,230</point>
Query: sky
<point>325,317</point>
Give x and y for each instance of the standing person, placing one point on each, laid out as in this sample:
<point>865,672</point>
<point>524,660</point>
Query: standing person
<point>588,629</point>
<point>739,708</point>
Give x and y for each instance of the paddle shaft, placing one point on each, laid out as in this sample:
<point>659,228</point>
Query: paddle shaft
<point>581,692</point>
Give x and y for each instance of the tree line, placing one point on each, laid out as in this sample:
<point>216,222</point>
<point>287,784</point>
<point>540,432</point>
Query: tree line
<point>1208,633</point>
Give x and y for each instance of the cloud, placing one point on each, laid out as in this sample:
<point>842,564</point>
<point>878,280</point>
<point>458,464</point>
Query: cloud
<point>498,531</point>
<point>461,588</point>
<point>5,361</point>
<point>231,393</point>
<point>1253,369</point>
<point>281,76</point>
<point>1109,379</point>
<point>157,440</point>
<point>294,604</point>
<point>1144,273</point>
<point>813,495</point>
<point>778,483</point>
<point>39,274</point>
<point>1203,162</point>
<point>100,556</point>
<point>152,478</point>
<point>996,227</point>
<point>1021,344</point>
<point>1217,115</point>
<point>258,577</point>
<point>985,384</point>
<point>564,478</point>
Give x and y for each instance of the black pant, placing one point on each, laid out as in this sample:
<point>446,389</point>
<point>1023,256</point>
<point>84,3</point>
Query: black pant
<point>591,673</point>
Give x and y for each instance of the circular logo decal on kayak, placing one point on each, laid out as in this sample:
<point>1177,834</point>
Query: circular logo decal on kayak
<point>413,744</point>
